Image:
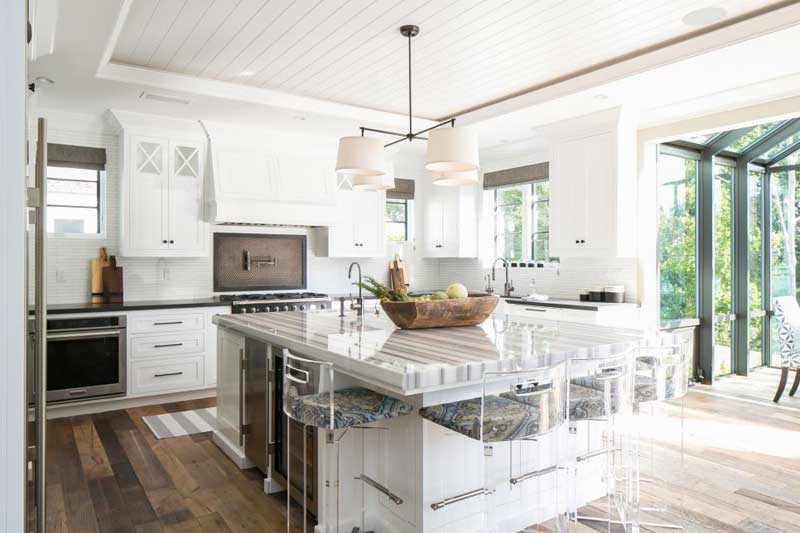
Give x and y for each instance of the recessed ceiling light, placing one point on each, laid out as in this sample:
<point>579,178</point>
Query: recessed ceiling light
<point>704,16</point>
<point>42,81</point>
<point>246,74</point>
<point>166,98</point>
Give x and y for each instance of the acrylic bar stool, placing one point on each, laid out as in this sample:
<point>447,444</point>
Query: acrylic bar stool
<point>662,381</point>
<point>524,410</point>
<point>600,400</point>
<point>310,398</point>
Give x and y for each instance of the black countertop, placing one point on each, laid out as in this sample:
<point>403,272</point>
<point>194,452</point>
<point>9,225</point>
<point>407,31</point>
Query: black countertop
<point>135,305</point>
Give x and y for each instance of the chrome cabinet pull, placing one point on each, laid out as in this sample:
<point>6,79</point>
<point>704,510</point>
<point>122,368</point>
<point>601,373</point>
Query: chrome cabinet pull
<point>168,323</point>
<point>171,345</point>
<point>166,374</point>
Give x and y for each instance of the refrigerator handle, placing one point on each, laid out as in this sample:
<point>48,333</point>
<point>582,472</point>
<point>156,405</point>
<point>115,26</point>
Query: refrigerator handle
<point>39,204</point>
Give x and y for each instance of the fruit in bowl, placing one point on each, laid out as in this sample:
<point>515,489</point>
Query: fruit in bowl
<point>456,290</point>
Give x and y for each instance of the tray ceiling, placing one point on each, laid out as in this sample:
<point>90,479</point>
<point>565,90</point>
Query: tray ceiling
<point>469,52</point>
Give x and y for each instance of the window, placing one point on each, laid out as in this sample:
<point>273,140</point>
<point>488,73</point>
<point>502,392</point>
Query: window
<point>73,200</point>
<point>397,220</point>
<point>677,236</point>
<point>522,222</point>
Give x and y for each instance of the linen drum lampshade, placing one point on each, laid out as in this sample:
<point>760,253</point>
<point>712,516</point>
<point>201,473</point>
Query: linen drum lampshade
<point>452,150</point>
<point>360,156</point>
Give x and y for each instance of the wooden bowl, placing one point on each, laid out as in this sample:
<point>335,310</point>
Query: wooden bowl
<point>469,311</point>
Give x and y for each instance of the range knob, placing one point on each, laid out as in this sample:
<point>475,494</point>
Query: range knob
<point>294,307</point>
<point>285,308</point>
<point>254,309</point>
<point>244,310</point>
<point>323,306</point>
<point>302,307</point>
<point>266,310</point>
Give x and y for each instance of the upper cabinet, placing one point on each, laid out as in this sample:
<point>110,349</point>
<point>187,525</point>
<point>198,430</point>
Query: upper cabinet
<point>449,220</point>
<point>162,188</point>
<point>358,228</point>
<point>593,191</point>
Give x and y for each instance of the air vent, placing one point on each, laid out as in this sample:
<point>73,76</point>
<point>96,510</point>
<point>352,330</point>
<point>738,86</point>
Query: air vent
<point>166,98</point>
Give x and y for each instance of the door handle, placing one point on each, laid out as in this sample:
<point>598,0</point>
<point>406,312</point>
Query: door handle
<point>174,323</point>
<point>241,395</point>
<point>172,345</point>
<point>167,374</point>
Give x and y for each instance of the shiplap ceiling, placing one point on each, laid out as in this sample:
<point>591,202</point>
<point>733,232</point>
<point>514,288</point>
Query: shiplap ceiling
<point>469,52</point>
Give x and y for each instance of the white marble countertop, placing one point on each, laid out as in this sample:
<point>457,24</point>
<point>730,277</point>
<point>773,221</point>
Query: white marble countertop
<point>410,362</point>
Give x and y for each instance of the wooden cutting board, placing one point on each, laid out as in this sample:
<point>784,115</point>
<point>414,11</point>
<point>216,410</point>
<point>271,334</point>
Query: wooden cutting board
<point>112,282</point>
<point>96,266</point>
<point>397,273</point>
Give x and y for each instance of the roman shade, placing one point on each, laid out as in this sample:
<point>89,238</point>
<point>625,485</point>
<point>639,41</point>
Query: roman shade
<point>515,176</point>
<point>65,155</point>
<point>403,190</point>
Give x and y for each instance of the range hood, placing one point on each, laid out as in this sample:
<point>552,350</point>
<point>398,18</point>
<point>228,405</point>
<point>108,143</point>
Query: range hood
<point>256,177</point>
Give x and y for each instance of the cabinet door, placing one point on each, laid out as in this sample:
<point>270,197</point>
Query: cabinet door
<point>369,224</point>
<point>342,234</point>
<point>434,226</point>
<point>601,206</point>
<point>306,180</point>
<point>187,235</point>
<point>147,197</point>
<point>230,350</point>
<point>568,198</point>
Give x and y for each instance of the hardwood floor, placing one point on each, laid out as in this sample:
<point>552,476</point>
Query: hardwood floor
<point>107,472</point>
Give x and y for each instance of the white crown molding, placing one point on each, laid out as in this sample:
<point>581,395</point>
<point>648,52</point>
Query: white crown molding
<point>188,85</point>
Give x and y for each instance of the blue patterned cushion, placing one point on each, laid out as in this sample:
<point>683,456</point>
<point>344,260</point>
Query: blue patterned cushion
<point>586,403</point>
<point>351,407</point>
<point>645,388</point>
<point>787,319</point>
<point>503,419</point>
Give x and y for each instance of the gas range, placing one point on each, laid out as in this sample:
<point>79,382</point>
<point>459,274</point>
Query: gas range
<point>271,302</point>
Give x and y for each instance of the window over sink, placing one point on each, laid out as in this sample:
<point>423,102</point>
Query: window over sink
<point>522,221</point>
<point>75,177</point>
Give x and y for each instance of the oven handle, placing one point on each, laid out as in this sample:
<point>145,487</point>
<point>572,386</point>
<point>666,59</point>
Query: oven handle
<point>84,335</point>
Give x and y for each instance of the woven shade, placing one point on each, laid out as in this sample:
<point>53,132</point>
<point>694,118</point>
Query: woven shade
<point>515,176</point>
<point>65,155</point>
<point>403,190</point>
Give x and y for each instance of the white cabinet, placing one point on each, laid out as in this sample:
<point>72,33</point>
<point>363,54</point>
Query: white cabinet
<point>593,194</point>
<point>450,227</point>
<point>162,197</point>
<point>358,229</point>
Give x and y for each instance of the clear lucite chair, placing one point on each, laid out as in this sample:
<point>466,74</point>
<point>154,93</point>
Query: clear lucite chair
<point>310,398</point>
<point>787,318</point>
<point>662,381</point>
<point>520,420</point>
<point>603,474</point>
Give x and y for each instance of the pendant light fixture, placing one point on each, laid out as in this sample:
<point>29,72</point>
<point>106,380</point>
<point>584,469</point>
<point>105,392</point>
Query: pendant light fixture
<point>451,151</point>
<point>454,179</point>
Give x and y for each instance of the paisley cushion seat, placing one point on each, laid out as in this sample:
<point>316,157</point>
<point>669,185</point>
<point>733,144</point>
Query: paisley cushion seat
<point>351,407</point>
<point>646,388</point>
<point>586,403</point>
<point>503,419</point>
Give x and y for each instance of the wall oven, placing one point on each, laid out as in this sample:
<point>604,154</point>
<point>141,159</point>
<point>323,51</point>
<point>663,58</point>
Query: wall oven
<point>86,358</point>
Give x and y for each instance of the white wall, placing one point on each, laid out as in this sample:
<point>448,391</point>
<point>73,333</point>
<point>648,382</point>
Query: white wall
<point>12,271</point>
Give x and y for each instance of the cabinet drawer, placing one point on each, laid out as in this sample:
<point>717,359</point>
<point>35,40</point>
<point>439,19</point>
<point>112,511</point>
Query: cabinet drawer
<point>534,311</point>
<point>174,344</point>
<point>160,375</point>
<point>165,322</point>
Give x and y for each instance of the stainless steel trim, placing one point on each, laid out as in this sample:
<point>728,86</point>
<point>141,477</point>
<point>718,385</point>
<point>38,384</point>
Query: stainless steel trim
<point>98,328</point>
<point>40,325</point>
<point>459,498</point>
<point>380,488</point>
<point>84,335</point>
<point>242,381</point>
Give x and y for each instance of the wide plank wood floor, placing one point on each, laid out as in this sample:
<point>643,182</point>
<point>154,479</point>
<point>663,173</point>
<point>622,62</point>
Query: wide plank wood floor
<point>108,473</point>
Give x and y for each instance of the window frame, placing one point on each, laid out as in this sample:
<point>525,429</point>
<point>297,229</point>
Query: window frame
<point>527,233</point>
<point>406,221</point>
<point>101,205</point>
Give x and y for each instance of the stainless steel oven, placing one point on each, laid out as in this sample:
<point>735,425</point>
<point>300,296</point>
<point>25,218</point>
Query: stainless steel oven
<point>86,358</point>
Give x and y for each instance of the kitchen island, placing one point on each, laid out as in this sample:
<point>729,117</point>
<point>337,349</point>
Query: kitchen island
<point>422,463</point>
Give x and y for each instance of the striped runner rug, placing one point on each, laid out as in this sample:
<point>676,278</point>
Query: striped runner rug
<point>182,423</point>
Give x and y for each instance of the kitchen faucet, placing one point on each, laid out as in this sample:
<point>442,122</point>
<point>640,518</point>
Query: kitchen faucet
<point>508,288</point>
<point>358,307</point>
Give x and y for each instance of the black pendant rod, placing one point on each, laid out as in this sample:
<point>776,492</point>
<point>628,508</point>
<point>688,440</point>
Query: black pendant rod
<point>409,31</point>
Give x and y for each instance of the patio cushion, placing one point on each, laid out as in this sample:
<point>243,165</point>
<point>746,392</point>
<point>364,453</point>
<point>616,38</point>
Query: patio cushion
<point>351,407</point>
<point>503,419</point>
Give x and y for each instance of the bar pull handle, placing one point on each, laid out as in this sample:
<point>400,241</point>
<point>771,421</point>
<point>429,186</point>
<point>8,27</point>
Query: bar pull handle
<point>460,498</point>
<point>536,310</point>
<point>167,374</point>
<point>380,488</point>
<point>242,379</point>
<point>77,392</point>
<point>171,345</point>
<point>173,323</point>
